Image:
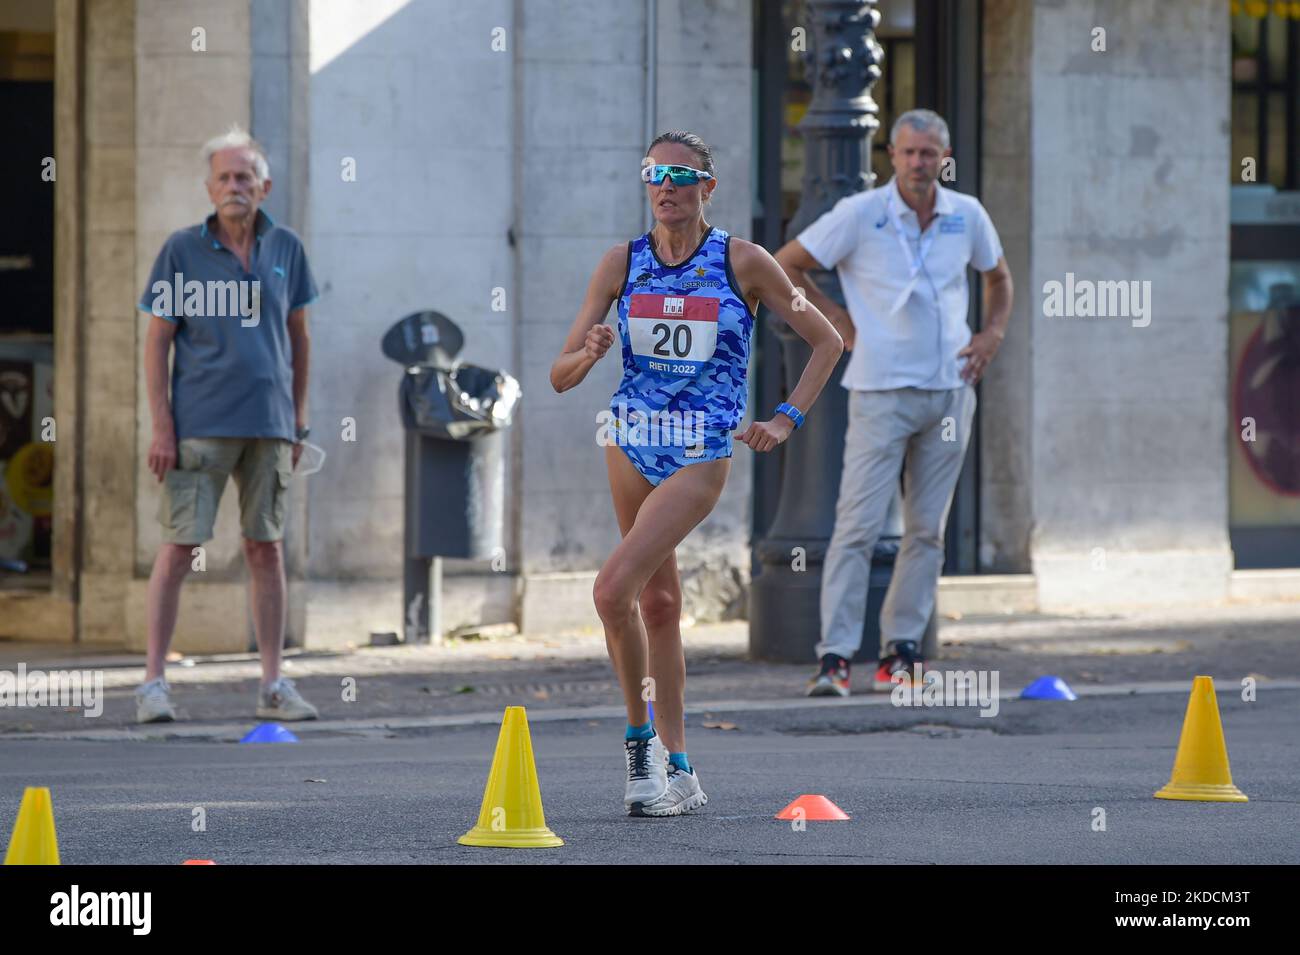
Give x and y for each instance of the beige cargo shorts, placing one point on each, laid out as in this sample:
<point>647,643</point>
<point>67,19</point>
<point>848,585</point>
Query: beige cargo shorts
<point>187,509</point>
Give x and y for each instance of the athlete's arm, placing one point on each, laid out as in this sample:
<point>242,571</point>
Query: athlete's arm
<point>760,276</point>
<point>590,338</point>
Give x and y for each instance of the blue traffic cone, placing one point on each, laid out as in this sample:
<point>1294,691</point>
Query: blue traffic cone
<point>1048,688</point>
<point>269,733</point>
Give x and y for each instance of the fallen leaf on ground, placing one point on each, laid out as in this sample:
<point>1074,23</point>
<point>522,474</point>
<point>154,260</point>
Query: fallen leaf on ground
<point>723,725</point>
<point>313,780</point>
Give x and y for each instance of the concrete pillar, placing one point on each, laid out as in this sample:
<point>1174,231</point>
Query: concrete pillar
<point>1007,390</point>
<point>106,438</point>
<point>184,96</point>
<point>1128,459</point>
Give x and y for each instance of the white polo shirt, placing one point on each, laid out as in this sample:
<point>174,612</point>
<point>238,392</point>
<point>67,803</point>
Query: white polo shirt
<point>906,293</point>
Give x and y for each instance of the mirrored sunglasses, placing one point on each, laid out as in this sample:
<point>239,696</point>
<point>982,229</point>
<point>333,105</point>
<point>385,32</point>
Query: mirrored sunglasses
<point>680,175</point>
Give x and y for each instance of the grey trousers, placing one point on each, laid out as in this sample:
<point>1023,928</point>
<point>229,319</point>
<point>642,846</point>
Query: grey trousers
<point>924,434</point>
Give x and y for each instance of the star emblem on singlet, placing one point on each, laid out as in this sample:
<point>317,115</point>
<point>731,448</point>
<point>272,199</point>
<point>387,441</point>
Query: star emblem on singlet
<point>699,271</point>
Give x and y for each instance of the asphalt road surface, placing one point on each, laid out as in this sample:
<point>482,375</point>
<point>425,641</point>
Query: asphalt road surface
<point>922,785</point>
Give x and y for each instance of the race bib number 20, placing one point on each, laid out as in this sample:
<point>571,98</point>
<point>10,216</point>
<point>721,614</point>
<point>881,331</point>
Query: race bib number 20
<point>673,334</point>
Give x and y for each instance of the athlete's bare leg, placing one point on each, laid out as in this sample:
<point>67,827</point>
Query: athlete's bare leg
<point>638,592</point>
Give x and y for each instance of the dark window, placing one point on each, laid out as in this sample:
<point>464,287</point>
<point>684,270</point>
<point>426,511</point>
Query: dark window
<point>1265,84</point>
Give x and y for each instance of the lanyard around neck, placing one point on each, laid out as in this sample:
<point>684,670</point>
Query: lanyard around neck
<point>915,259</point>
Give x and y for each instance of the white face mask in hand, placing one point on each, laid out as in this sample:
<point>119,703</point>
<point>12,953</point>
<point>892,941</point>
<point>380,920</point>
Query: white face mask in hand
<point>311,461</point>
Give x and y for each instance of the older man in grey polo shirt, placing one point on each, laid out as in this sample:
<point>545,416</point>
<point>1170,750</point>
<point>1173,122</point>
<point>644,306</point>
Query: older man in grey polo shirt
<point>901,252</point>
<point>229,295</point>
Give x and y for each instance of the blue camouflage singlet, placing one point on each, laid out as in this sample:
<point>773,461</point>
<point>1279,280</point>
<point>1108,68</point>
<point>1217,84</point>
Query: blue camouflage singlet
<point>685,334</point>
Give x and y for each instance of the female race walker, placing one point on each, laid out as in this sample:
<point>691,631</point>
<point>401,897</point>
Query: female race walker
<point>686,295</point>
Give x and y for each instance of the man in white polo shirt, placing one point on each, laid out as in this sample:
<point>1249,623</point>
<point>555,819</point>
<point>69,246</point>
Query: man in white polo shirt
<point>901,252</point>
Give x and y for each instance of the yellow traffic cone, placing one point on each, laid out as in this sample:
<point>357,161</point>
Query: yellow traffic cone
<point>34,841</point>
<point>1201,767</point>
<point>511,815</point>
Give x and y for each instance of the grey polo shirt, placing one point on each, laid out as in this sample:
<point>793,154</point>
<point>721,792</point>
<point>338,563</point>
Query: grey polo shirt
<point>232,374</point>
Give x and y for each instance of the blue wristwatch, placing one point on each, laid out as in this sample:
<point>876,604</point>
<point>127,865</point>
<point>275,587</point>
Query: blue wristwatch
<point>791,412</point>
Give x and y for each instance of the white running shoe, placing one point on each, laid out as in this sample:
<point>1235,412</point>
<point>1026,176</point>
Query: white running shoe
<point>647,772</point>
<point>152,703</point>
<point>281,701</point>
<point>682,795</point>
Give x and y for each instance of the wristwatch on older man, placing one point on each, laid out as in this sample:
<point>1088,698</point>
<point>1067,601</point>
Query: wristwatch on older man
<point>300,435</point>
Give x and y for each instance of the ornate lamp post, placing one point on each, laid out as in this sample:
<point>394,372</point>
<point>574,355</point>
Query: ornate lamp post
<point>843,60</point>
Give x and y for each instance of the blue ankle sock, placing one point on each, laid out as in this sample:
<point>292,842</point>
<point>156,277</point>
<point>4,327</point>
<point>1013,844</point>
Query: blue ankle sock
<point>680,761</point>
<point>644,731</point>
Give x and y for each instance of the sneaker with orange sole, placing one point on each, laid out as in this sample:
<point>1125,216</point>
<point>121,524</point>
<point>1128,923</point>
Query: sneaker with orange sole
<point>832,679</point>
<point>904,659</point>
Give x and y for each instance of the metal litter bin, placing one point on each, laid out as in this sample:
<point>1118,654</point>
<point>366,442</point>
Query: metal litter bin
<point>454,416</point>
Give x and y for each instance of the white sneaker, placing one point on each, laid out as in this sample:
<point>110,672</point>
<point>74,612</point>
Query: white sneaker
<point>682,795</point>
<point>152,704</point>
<point>647,772</point>
<point>281,701</point>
